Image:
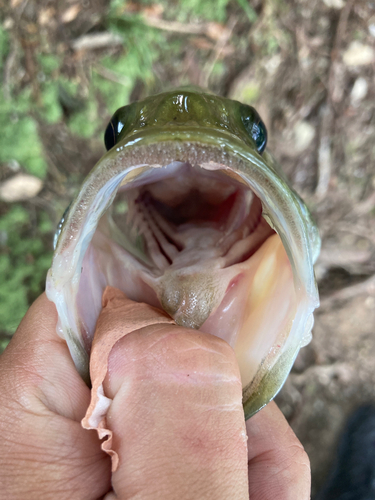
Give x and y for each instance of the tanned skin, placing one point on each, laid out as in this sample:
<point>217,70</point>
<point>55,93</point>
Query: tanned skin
<point>177,436</point>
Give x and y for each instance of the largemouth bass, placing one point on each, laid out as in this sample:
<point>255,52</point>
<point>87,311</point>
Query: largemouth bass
<point>188,212</point>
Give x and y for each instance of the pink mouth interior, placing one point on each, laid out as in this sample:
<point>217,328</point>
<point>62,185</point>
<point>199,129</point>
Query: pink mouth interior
<point>193,242</point>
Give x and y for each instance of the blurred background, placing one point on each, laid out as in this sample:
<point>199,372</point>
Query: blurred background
<point>308,68</point>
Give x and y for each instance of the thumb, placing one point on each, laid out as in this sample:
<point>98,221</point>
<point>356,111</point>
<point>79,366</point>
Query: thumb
<point>176,416</point>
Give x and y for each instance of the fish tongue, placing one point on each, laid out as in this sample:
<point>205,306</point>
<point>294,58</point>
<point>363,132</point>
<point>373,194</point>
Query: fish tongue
<point>191,294</point>
<point>253,309</point>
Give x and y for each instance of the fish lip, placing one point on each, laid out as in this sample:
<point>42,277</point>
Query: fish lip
<point>160,147</point>
<point>224,141</point>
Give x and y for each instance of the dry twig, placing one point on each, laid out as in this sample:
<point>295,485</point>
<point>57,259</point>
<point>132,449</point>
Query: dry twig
<point>219,47</point>
<point>111,75</point>
<point>340,33</point>
<point>365,206</point>
<point>8,68</point>
<point>324,151</point>
<point>96,41</point>
<point>211,30</point>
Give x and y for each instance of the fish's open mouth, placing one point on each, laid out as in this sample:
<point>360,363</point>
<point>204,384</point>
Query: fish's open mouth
<point>194,238</point>
<point>190,214</point>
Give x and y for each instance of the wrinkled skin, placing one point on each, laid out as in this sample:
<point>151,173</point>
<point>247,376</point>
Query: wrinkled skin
<point>45,453</point>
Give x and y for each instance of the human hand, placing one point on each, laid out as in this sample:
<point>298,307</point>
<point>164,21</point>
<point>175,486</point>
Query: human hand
<point>184,441</point>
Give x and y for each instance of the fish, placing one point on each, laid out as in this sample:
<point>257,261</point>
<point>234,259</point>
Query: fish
<point>188,212</point>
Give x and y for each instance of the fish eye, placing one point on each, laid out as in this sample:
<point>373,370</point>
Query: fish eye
<point>112,131</point>
<point>254,127</point>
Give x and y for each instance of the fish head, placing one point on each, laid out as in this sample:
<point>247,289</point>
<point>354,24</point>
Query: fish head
<point>184,110</point>
<point>187,212</point>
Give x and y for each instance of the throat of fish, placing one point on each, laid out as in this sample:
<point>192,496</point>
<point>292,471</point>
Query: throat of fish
<point>195,243</point>
<point>194,233</point>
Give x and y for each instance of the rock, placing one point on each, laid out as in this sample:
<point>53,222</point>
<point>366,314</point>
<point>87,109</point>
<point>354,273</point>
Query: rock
<point>304,133</point>
<point>20,187</point>
<point>358,54</point>
<point>334,4</point>
<point>359,91</point>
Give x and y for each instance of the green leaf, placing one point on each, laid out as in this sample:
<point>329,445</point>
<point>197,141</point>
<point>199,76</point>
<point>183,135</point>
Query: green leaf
<point>24,261</point>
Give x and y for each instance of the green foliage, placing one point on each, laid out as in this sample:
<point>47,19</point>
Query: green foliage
<point>85,123</point>
<point>24,261</point>
<point>51,110</point>
<point>218,69</point>
<point>19,139</point>
<point>208,10</point>
<point>114,94</point>
<point>142,47</point>
<point>49,63</point>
